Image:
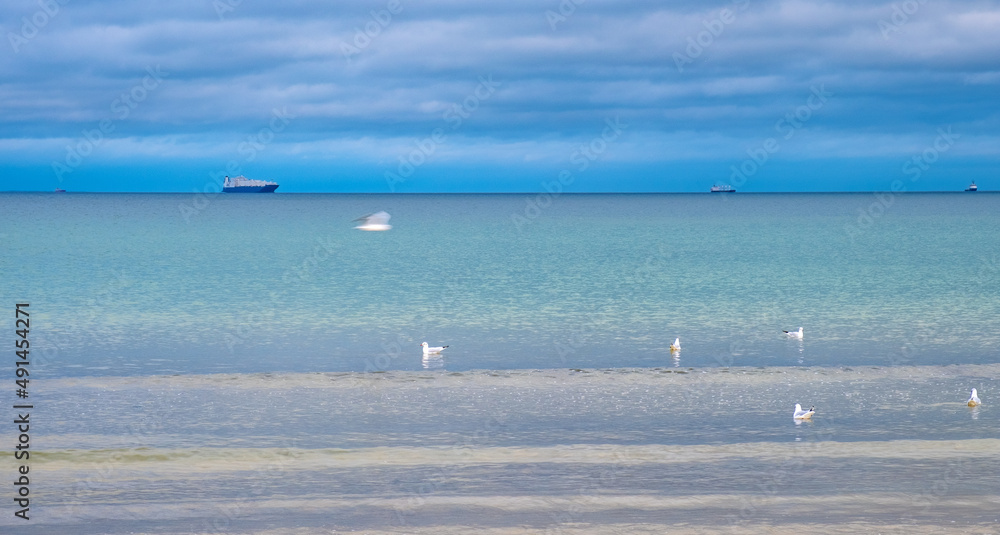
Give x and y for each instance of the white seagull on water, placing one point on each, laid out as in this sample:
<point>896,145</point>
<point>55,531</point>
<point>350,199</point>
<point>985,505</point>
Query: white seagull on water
<point>676,346</point>
<point>376,221</point>
<point>974,400</point>
<point>428,350</point>
<point>800,414</point>
<point>794,334</point>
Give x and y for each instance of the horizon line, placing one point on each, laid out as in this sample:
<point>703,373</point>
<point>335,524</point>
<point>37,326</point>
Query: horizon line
<point>723,193</point>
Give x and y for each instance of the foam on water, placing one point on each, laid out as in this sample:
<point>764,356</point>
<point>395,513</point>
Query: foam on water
<point>632,449</point>
<point>516,407</point>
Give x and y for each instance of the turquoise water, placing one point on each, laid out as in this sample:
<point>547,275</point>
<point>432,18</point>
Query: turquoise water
<point>129,284</point>
<point>251,363</point>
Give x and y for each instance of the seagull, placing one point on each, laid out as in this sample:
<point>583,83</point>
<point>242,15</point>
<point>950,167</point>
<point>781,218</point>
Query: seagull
<point>794,334</point>
<point>428,350</point>
<point>974,400</point>
<point>676,346</point>
<point>800,414</point>
<point>376,221</point>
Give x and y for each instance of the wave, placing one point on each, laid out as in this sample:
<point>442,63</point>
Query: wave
<point>532,377</point>
<point>239,459</point>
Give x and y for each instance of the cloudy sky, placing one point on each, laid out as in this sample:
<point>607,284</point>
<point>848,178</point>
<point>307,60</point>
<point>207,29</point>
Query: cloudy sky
<point>438,95</point>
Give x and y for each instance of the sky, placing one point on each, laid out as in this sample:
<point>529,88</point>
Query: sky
<point>401,96</point>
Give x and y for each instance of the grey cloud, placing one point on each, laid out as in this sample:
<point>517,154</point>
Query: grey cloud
<point>227,72</point>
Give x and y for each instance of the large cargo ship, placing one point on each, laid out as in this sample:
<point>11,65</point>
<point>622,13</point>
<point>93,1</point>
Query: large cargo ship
<point>242,184</point>
<point>725,188</point>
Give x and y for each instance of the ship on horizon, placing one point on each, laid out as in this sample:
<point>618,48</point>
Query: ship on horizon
<point>242,184</point>
<point>725,188</point>
<point>972,187</point>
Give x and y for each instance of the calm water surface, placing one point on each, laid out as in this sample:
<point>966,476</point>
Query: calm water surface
<point>132,285</point>
<point>252,364</point>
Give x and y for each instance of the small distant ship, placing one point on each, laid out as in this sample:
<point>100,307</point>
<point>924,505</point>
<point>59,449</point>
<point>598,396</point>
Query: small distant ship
<point>725,188</point>
<point>972,187</point>
<point>60,190</point>
<point>242,184</point>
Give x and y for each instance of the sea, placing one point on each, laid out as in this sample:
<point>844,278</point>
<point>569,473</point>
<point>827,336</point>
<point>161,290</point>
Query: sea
<point>251,363</point>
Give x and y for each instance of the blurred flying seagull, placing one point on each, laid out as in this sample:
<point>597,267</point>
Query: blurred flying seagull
<point>794,334</point>
<point>974,400</point>
<point>428,350</point>
<point>376,221</point>
<point>800,414</point>
<point>676,346</point>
